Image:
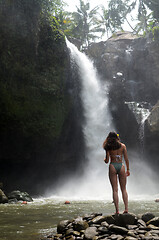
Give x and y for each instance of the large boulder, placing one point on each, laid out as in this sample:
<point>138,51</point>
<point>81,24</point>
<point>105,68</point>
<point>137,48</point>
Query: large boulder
<point>130,64</point>
<point>153,119</point>
<point>3,197</point>
<point>23,196</point>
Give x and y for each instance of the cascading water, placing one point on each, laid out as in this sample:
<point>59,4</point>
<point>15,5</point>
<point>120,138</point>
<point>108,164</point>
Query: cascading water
<point>98,124</point>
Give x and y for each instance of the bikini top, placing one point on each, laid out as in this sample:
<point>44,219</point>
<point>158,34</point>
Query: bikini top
<point>118,157</point>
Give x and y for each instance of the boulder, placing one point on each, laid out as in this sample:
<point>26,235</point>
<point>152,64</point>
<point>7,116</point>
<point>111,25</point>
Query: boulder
<point>147,217</point>
<point>79,224</point>
<point>118,229</point>
<point>99,219</point>
<point>154,221</point>
<point>153,119</point>
<point>61,227</point>
<point>3,197</point>
<point>125,219</point>
<point>24,196</point>
<point>90,232</point>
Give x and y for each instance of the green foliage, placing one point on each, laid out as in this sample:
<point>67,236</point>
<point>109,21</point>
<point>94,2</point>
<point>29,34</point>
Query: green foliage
<point>153,5</point>
<point>33,99</point>
<point>155,32</point>
<point>82,24</point>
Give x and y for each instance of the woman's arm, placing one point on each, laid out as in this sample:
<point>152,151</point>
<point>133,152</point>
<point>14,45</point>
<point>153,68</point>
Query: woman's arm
<point>126,160</point>
<point>106,159</point>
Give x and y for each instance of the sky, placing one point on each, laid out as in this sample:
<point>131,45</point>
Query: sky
<point>93,3</point>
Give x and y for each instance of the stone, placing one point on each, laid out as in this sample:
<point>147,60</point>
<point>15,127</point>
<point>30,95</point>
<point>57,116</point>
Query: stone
<point>131,233</point>
<point>3,197</point>
<point>69,232</point>
<point>147,217</point>
<point>62,226</point>
<point>154,221</point>
<point>90,232</point>
<point>79,225</point>
<point>24,196</point>
<point>103,230</point>
<point>130,238</point>
<point>153,231</point>
<point>113,237</point>
<point>12,201</point>
<point>120,237</point>
<point>104,224</point>
<point>142,222</point>
<point>141,231</point>
<point>118,229</point>
<point>152,227</point>
<point>76,234</point>
<point>131,227</point>
<point>98,219</point>
<point>110,219</point>
<point>153,119</point>
<point>125,219</point>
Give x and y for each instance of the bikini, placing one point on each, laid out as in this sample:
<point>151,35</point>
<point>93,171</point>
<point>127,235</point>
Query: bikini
<point>117,164</point>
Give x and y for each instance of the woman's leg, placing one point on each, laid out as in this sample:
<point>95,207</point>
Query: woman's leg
<point>114,183</point>
<point>122,181</point>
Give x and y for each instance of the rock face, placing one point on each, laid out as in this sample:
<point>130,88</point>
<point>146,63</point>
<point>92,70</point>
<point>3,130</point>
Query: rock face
<point>41,138</point>
<point>131,66</point>
<point>124,226</point>
<point>153,119</point>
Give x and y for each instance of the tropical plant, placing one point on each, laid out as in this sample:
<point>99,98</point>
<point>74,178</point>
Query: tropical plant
<point>118,11</point>
<point>83,23</point>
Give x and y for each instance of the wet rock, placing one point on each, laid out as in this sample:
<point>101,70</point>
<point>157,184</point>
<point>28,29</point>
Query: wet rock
<point>90,232</point>
<point>3,197</point>
<point>24,196</point>
<point>103,230</point>
<point>99,219</point>
<point>69,232</point>
<point>110,219</point>
<point>141,223</point>
<point>152,227</point>
<point>130,238</point>
<point>12,201</point>
<point>125,219</point>
<point>79,224</point>
<point>62,226</point>
<point>147,217</point>
<point>132,233</point>
<point>105,224</point>
<point>131,227</point>
<point>154,221</point>
<point>153,119</point>
<point>118,229</point>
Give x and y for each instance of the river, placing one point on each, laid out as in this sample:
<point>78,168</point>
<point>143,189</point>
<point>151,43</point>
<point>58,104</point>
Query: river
<point>38,219</point>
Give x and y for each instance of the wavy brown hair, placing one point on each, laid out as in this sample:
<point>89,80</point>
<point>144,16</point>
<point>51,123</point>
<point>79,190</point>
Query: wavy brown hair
<point>112,142</point>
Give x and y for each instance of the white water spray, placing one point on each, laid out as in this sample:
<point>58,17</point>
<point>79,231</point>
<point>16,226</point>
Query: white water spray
<point>98,123</point>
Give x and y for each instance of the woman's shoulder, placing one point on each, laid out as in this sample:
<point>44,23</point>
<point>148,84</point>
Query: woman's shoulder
<point>123,146</point>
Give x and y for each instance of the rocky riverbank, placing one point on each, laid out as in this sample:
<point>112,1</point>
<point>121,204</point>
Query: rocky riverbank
<point>114,227</point>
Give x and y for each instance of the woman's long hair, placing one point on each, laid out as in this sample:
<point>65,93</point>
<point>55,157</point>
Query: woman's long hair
<point>112,142</point>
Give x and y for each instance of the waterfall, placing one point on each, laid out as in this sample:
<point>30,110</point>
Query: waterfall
<point>141,111</point>
<point>97,125</point>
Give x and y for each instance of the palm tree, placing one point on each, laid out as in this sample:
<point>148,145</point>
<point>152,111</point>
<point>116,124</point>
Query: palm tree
<point>85,23</point>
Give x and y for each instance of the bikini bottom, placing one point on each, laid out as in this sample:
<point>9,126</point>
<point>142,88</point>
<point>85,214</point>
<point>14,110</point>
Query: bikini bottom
<point>117,166</point>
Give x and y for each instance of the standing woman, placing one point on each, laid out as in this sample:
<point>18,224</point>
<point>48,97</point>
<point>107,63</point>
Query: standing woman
<point>115,150</point>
